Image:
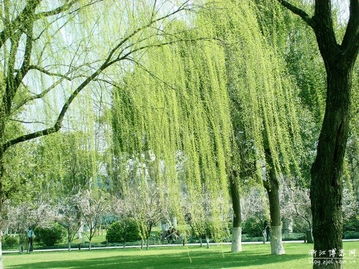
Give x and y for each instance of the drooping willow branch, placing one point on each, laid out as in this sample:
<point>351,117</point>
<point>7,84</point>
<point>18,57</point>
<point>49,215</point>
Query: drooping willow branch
<point>110,60</point>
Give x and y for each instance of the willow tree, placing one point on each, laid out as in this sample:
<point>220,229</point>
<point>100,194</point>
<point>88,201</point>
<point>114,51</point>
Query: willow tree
<point>183,96</point>
<point>264,115</point>
<point>326,171</point>
<point>175,108</point>
<point>52,51</point>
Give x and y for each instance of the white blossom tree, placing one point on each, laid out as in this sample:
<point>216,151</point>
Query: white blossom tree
<point>93,206</point>
<point>69,216</point>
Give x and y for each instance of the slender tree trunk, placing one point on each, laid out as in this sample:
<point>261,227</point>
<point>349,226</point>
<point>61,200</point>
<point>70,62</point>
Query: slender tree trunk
<point>207,241</point>
<point>68,239</point>
<point>1,256</point>
<point>147,243</point>
<point>309,236</point>
<point>237,221</point>
<point>326,185</point>
<point>272,186</point>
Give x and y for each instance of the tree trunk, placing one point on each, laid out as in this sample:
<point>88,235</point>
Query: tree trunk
<point>272,186</point>
<point>1,256</point>
<point>207,241</point>
<point>147,243</point>
<point>309,236</point>
<point>237,221</point>
<point>68,239</point>
<point>326,185</point>
<point>90,245</point>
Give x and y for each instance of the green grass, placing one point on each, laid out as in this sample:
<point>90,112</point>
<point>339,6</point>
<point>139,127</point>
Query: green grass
<point>253,257</point>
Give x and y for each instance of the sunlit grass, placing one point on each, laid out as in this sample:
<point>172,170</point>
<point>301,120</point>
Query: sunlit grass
<point>253,256</point>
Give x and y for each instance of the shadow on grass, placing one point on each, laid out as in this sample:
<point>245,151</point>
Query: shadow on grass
<point>187,260</point>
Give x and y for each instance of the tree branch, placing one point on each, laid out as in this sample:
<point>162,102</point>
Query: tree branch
<point>46,72</point>
<point>57,126</point>
<point>350,44</point>
<point>108,62</point>
<point>57,10</point>
<point>25,15</point>
<point>301,13</point>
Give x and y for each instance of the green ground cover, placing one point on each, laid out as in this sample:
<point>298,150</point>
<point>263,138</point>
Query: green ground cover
<point>253,257</point>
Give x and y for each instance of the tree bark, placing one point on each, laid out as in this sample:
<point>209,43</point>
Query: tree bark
<point>326,185</point>
<point>271,184</point>
<point>237,221</point>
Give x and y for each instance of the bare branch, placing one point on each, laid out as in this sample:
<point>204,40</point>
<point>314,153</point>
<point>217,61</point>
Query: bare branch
<point>301,13</point>
<point>57,126</point>
<point>25,15</point>
<point>57,10</point>
<point>46,72</point>
<point>28,122</point>
<point>26,58</point>
<point>108,62</point>
<point>136,31</point>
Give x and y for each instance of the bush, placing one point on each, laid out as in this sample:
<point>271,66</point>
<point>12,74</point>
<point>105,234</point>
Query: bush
<point>50,236</point>
<point>10,241</point>
<point>125,230</point>
<point>253,227</point>
<point>351,224</point>
<point>351,235</point>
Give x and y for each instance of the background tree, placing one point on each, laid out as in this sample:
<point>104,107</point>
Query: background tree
<point>39,65</point>
<point>69,216</point>
<point>93,206</point>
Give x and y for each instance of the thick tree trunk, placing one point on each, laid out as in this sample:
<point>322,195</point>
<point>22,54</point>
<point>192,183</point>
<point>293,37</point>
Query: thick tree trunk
<point>272,186</point>
<point>237,221</point>
<point>326,185</point>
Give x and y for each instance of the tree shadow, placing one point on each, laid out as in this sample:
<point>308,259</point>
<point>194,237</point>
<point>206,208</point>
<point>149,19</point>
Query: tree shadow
<point>186,260</point>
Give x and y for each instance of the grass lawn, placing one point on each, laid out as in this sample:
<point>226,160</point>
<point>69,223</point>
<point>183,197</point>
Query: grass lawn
<point>253,257</point>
